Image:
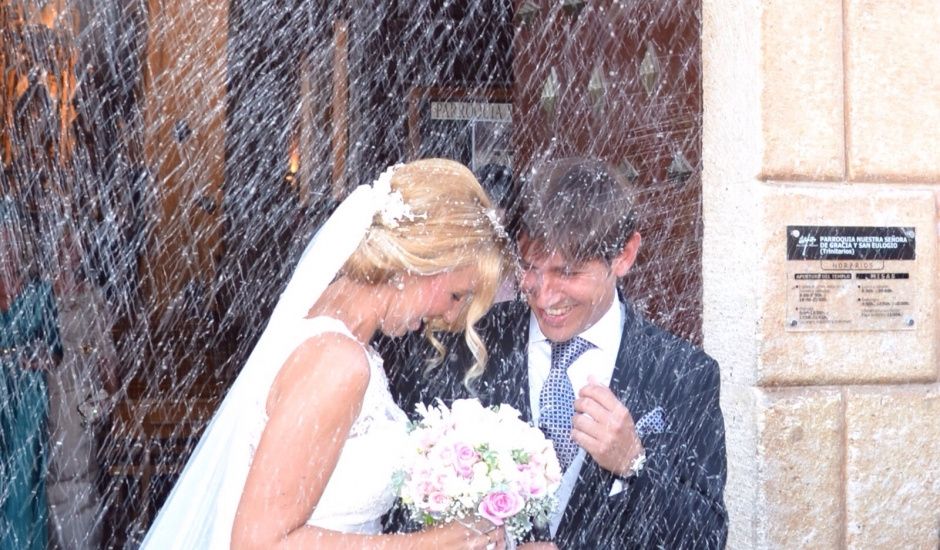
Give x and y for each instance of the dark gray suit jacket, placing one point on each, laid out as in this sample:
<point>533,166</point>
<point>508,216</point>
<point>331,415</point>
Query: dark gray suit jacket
<point>675,502</point>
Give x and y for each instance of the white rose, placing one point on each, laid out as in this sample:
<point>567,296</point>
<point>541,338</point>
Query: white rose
<point>480,484</point>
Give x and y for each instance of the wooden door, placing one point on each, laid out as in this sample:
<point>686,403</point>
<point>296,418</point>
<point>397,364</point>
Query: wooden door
<point>184,116</point>
<point>621,80</point>
<point>38,79</point>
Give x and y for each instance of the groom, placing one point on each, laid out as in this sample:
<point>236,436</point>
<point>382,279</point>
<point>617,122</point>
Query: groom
<point>632,410</point>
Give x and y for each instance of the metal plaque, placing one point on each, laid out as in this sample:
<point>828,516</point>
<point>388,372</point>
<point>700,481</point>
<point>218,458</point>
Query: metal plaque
<point>842,278</point>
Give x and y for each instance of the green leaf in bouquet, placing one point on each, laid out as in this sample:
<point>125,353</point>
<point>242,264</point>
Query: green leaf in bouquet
<point>428,520</point>
<point>488,456</point>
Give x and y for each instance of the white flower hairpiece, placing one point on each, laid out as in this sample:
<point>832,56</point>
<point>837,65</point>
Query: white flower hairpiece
<point>389,204</point>
<point>497,223</point>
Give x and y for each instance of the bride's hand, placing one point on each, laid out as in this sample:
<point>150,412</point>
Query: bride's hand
<point>476,535</point>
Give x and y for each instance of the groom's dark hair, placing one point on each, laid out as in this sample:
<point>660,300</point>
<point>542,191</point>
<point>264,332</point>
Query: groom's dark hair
<point>578,207</point>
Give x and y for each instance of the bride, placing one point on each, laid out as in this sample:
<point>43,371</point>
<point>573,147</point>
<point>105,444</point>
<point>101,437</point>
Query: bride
<point>302,450</point>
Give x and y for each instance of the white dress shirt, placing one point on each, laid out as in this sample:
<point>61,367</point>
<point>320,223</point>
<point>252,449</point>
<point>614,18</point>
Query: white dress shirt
<point>597,362</point>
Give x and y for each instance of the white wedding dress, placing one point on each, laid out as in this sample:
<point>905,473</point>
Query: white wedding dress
<point>200,510</point>
<point>359,490</point>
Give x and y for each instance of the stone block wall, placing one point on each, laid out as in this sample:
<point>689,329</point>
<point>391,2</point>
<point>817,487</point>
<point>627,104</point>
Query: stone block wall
<point>822,113</point>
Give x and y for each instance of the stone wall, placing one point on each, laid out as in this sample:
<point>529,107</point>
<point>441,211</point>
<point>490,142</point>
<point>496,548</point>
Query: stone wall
<point>822,113</point>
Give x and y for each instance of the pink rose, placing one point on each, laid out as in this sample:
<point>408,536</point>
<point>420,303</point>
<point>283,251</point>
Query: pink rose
<point>421,473</point>
<point>430,437</point>
<point>464,459</point>
<point>465,453</point>
<point>534,487</point>
<point>529,484</point>
<point>425,488</point>
<point>499,505</point>
<point>444,454</point>
<point>437,502</point>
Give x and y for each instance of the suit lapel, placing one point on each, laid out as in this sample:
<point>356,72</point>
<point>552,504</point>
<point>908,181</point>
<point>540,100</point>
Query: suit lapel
<point>623,381</point>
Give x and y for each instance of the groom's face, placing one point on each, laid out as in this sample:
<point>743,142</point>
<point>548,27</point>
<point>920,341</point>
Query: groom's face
<point>567,297</point>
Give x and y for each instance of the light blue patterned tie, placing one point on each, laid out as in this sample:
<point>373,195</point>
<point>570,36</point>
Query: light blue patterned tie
<point>556,401</point>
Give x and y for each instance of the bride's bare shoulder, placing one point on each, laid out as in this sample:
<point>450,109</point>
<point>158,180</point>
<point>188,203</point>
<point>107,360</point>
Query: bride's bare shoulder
<point>329,363</point>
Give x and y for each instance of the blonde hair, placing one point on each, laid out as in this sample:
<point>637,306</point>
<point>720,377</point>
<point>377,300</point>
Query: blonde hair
<point>453,226</point>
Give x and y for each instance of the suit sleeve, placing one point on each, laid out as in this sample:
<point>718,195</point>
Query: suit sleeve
<point>677,499</point>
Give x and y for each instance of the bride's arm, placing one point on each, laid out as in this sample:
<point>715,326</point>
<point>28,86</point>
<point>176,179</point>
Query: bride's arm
<point>311,407</point>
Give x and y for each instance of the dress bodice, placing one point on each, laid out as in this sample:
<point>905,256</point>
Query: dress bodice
<point>358,492</point>
<point>360,489</point>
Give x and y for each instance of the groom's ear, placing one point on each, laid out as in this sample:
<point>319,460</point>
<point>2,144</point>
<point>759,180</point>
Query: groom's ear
<point>623,262</point>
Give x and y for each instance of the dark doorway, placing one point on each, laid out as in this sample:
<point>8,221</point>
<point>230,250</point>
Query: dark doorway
<point>310,98</point>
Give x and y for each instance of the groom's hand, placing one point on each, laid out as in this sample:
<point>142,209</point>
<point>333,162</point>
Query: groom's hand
<point>604,427</point>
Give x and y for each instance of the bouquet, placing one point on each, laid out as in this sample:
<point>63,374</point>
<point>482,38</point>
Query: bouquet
<point>471,461</point>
